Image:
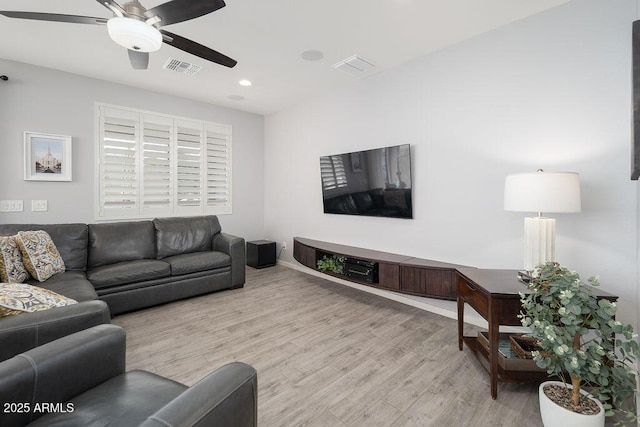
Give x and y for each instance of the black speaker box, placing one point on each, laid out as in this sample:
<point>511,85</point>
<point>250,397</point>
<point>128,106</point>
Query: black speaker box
<point>261,253</point>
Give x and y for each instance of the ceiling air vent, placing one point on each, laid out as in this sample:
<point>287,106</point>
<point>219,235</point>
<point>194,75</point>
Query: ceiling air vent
<point>181,66</point>
<point>354,65</point>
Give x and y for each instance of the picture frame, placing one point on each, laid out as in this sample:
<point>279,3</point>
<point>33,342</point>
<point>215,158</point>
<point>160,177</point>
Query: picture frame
<point>47,157</point>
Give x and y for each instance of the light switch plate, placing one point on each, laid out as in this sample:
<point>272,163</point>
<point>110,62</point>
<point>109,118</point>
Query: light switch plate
<point>11,206</point>
<point>39,206</point>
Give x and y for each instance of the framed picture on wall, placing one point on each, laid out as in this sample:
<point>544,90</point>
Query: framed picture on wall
<point>47,157</point>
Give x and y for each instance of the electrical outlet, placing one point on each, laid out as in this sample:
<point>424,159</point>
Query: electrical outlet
<point>11,206</point>
<point>39,206</point>
<point>284,246</point>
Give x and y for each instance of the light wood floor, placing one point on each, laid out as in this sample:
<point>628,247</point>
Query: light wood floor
<point>327,355</point>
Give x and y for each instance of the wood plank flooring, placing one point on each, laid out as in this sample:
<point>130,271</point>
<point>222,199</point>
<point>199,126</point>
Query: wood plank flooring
<point>327,355</point>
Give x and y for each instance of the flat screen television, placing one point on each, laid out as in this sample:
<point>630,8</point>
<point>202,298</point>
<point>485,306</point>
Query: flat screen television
<point>373,182</point>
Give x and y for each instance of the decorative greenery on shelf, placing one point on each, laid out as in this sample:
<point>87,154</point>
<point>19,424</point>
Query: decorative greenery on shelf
<point>575,330</point>
<point>333,263</point>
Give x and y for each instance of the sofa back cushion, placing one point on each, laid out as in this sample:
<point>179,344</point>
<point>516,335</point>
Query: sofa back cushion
<point>121,241</point>
<point>182,235</point>
<point>70,240</point>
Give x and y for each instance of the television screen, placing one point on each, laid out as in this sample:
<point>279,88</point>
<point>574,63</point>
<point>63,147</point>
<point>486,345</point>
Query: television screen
<point>373,182</point>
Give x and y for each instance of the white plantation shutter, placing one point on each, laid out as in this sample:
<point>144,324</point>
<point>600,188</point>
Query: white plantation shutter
<point>118,189</point>
<point>218,167</point>
<point>190,147</point>
<point>156,165</point>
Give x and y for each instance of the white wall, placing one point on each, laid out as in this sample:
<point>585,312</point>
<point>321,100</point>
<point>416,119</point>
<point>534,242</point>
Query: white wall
<point>48,101</point>
<point>552,91</point>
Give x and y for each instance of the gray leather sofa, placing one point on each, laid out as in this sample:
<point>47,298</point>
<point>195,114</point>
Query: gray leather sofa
<point>26,331</point>
<point>80,380</point>
<point>133,265</point>
<point>128,265</point>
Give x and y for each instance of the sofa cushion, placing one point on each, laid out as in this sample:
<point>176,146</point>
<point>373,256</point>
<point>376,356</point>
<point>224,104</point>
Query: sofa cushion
<point>125,400</point>
<point>198,261</point>
<point>183,235</point>
<point>70,239</point>
<point>19,298</point>
<point>125,272</point>
<point>121,241</point>
<point>39,254</point>
<point>11,267</point>
<point>72,284</point>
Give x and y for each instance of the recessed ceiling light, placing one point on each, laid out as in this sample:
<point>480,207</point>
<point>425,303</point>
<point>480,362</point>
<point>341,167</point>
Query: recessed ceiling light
<point>312,55</point>
<point>236,97</point>
<point>245,82</point>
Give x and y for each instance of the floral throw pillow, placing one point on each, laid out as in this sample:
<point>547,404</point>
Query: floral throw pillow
<point>11,267</point>
<point>18,298</point>
<point>39,254</point>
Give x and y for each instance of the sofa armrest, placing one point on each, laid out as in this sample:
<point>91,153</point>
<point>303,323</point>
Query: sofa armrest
<point>23,332</point>
<point>234,247</point>
<point>58,371</point>
<point>226,397</point>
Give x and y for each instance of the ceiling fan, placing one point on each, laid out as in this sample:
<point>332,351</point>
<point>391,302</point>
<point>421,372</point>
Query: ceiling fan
<point>140,29</point>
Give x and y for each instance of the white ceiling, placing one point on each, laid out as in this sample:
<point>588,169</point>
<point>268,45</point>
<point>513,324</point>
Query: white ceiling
<point>265,37</point>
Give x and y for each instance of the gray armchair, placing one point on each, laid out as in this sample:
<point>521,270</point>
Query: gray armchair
<point>80,380</point>
<point>25,331</point>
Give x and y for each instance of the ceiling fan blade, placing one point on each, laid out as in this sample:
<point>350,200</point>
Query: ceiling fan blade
<point>139,60</point>
<point>55,17</point>
<point>197,49</point>
<point>113,6</point>
<point>176,11</point>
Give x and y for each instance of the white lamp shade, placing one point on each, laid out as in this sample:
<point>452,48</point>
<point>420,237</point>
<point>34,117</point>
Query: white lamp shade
<point>542,192</point>
<point>133,34</point>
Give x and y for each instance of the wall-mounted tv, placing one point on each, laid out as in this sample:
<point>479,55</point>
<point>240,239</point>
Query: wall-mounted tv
<point>373,182</point>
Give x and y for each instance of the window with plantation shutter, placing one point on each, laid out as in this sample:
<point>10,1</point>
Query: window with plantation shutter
<point>332,172</point>
<point>156,165</point>
<point>218,178</point>
<point>119,164</point>
<point>151,165</point>
<point>190,145</point>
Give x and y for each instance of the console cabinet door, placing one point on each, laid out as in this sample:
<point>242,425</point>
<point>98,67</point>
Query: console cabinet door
<point>389,275</point>
<point>428,282</point>
<point>305,255</point>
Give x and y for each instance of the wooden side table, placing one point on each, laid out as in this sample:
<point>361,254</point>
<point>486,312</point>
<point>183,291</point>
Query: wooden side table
<point>494,294</point>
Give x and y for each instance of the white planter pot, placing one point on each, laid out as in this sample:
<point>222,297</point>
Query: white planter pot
<point>554,415</point>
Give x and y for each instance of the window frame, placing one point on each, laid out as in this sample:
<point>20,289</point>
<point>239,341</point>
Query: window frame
<point>215,189</point>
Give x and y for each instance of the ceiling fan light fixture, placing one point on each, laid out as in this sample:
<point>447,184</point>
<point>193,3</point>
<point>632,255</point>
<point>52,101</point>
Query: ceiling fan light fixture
<point>133,34</point>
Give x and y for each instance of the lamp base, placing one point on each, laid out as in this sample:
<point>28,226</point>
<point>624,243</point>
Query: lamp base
<point>539,241</point>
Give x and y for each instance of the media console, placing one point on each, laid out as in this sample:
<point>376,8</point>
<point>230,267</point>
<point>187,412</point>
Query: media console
<point>399,273</point>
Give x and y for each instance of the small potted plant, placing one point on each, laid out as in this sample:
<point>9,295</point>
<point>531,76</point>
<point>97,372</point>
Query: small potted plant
<point>575,332</point>
<point>333,264</point>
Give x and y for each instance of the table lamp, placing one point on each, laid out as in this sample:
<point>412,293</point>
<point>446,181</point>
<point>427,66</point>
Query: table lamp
<point>553,192</point>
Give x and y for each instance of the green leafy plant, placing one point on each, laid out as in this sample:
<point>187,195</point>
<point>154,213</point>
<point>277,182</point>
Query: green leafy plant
<point>334,264</point>
<point>575,331</point>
